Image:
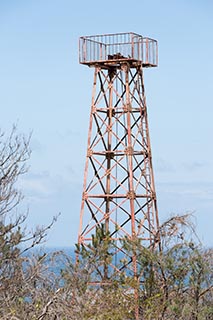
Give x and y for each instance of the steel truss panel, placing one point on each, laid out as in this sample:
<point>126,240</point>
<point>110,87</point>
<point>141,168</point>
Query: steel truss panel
<point>119,190</point>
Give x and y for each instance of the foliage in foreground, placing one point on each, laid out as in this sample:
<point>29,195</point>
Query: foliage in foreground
<point>172,283</point>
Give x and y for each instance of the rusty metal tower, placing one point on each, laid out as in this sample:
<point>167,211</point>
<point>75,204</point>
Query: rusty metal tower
<point>119,190</point>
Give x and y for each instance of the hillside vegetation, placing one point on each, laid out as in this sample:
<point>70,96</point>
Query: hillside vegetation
<point>173,282</point>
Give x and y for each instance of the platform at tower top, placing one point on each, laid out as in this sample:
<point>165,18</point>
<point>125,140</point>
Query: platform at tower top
<point>114,49</point>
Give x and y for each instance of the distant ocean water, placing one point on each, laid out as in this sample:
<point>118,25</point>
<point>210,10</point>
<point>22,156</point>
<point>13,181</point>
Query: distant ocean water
<point>58,258</point>
<point>50,249</point>
<point>69,251</point>
<point>62,257</point>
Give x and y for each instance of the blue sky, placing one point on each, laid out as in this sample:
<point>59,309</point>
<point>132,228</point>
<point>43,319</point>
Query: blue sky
<point>44,89</point>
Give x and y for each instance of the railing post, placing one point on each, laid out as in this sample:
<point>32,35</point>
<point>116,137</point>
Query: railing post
<point>101,57</point>
<point>132,44</point>
<point>84,49</point>
<point>147,50</point>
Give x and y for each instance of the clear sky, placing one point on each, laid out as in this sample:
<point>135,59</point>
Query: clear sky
<point>44,89</point>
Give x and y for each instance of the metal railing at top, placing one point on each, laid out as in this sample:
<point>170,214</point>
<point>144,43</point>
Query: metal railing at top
<point>102,48</point>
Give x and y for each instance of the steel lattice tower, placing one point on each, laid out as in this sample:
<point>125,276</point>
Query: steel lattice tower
<point>119,190</point>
